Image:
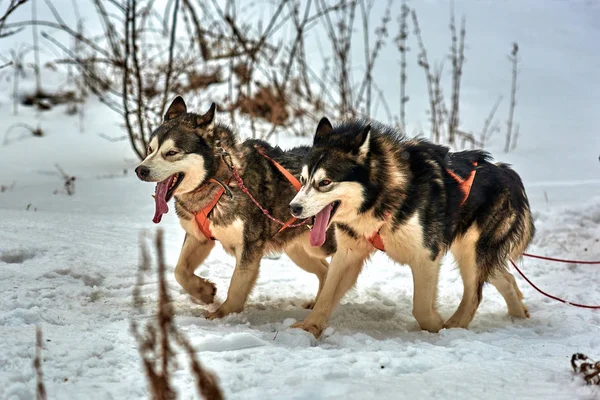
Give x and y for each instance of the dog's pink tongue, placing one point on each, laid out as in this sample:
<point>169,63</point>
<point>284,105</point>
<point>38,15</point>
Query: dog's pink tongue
<point>319,230</point>
<point>160,199</point>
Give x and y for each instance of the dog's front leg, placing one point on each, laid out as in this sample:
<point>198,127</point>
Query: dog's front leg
<point>244,276</point>
<point>193,253</point>
<point>343,271</point>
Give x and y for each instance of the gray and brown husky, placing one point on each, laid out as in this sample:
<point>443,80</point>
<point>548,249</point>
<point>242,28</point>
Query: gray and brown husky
<point>417,201</point>
<point>192,158</point>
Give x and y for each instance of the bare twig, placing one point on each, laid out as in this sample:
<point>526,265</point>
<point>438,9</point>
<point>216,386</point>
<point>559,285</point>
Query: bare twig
<point>457,56</point>
<point>36,49</point>
<point>488,128</point>
<point>35,132</point>
<point>165,98</point>
<point>68,181</point>
<point>401,40</point>
<point>155,344</point>
<point>138,74</point>
<point>515,138</point>
<point>40,389</point>
<point>12,6</point>
<point>371,53</point>
<point>132,136</point>
<point>514,59</point>
<point>431,81</point>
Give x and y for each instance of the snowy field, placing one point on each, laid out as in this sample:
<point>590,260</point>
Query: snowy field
<point>68,263</point>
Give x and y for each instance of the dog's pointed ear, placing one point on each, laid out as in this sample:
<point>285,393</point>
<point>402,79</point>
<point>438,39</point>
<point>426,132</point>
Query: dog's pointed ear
<point>323,129</point>
<point>176,109</point>
<point>207,120</point>
<point>364,140</point>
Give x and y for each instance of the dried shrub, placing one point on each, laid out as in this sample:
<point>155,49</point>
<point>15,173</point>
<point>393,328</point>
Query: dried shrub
<point>156,342</point>
<point>266,104</point>
<point>40,389</point>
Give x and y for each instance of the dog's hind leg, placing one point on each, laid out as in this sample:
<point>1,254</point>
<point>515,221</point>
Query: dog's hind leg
<point>243,280</point>
<point>309,263</point>
<point>463,250</point>
<point>193,253</point>
<point>506,284</point>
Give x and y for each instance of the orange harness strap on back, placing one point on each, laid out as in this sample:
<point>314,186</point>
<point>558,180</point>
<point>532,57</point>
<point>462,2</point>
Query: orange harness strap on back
<point>288,175</point>
<point>202,215</point>
<point>463,184</point>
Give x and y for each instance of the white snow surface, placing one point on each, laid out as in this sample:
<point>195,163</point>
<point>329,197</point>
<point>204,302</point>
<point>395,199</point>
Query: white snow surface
<point>69,263</point>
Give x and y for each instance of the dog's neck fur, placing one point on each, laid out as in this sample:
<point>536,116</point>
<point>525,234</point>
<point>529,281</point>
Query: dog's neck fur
<point>193,202</point>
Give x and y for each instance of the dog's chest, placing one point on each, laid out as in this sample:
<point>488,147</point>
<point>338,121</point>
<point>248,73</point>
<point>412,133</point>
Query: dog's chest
<point>404,242</point>
<point>231,235</point>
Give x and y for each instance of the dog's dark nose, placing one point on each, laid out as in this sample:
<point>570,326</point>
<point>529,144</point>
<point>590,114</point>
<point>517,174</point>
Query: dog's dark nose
<point>142,172</point>
<point>296,209</point>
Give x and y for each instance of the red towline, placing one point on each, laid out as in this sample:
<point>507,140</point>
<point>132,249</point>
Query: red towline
<point>560,260</point>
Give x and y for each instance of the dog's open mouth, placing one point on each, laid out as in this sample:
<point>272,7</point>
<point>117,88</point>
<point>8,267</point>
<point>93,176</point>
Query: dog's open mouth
<point>318,234</point>
<point>163,193</point>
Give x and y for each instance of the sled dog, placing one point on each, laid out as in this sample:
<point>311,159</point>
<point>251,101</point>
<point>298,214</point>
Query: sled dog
<point>416,201</point>
<point>222,189</point>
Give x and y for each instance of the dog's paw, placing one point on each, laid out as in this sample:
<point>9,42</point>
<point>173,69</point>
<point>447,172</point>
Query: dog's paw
<point>214,314</point>
<point>452,324</point>
<point>520,311</point>
<point>205,291</point>
<point>222,311</point>
<point>431,321</point>
<point>315,329</point>
<point>308,305</point>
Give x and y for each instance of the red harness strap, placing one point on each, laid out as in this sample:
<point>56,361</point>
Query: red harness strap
<point>463,184</point>
<point>377,242</point>
<point>202,216</point>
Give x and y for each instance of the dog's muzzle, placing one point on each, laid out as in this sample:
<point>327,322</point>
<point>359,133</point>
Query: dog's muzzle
<point>142,172</point>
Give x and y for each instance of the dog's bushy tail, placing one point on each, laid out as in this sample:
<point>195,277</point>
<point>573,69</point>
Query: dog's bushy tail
<point>523,228</point>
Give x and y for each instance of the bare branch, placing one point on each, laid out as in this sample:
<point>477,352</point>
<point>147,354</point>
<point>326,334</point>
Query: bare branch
<point>514,59</point>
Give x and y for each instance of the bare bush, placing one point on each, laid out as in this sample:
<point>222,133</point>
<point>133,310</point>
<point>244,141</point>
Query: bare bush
<point>207,51</point>
<point>156,342</point>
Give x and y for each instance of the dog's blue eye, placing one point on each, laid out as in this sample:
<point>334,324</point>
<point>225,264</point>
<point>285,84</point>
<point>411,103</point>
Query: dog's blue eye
<point>324,182</point>
<point>171,153</point>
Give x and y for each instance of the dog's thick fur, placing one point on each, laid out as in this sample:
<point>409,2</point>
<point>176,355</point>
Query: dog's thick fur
<point>187,143</point>
<point>382,181</point>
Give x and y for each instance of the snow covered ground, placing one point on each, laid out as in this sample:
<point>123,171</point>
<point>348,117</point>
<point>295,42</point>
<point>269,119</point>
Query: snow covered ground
<point>68,263</point>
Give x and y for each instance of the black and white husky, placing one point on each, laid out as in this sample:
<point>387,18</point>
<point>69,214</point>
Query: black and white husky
<point>416,200</point>
<point>190,157</point>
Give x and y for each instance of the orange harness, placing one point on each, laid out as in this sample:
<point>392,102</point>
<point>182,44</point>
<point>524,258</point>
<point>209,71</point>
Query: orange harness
<point>202,216</point>
<point>463,184</point>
